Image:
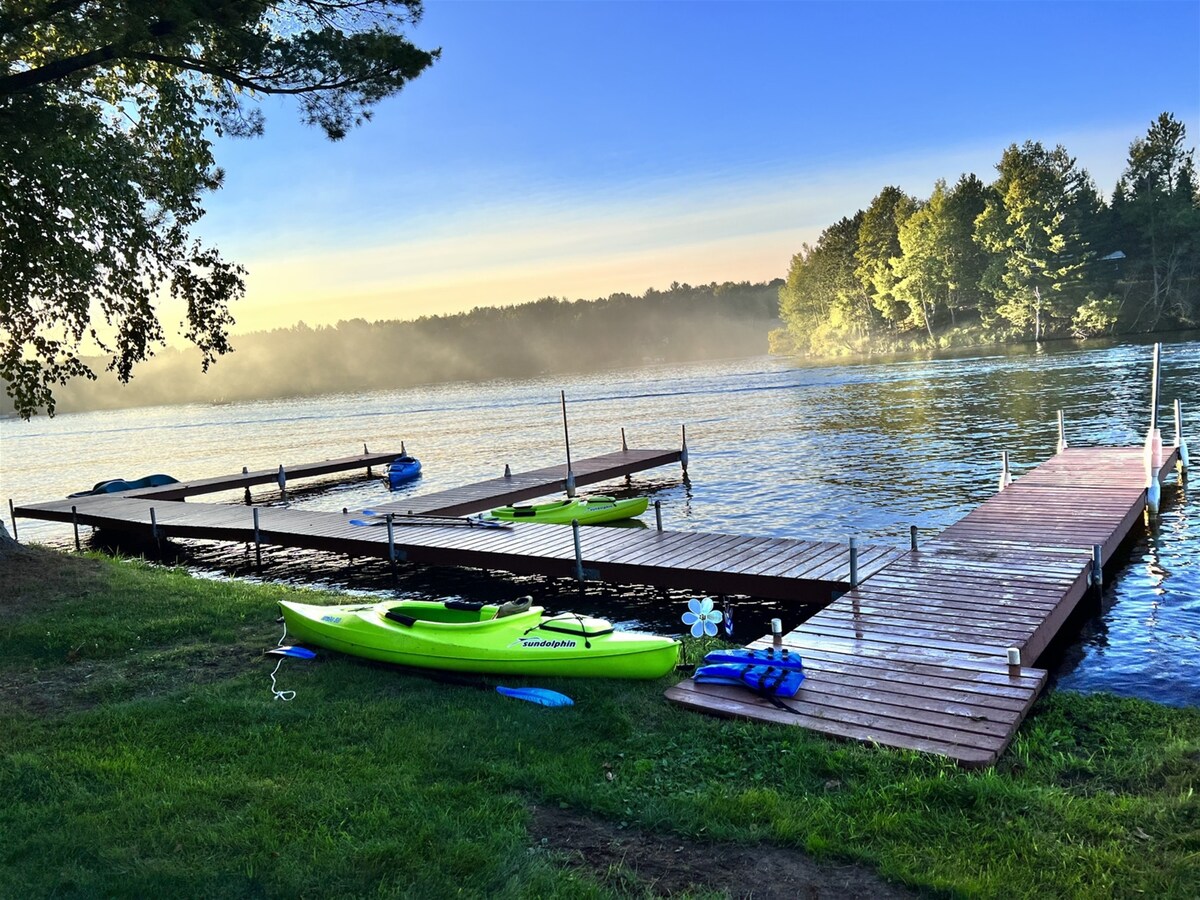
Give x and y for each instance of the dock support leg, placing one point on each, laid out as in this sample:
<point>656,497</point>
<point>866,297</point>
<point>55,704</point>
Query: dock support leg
<point>777,635</point>
<point>366,452</point>
<point>658,514</point>
<point>1062,433</point>
<point>154,529</point>
<point>1179,440</point>
<point>1014,661</point>
<point>624,446</point>
<point>391,531</point>
<point>853,562</point>
<point>257,543</point>
<point>1153,488</point>
<point>567,444</point>
<point>1098,566</point>
<point>1005,474</point>
<point>12,514</point>
<point>507,471</point>
<point>246,471</point>
<point>75,526</point>
<point>282,479</point>
<point>683,451</point>
<point>578,550</point>
<point>912,538</point>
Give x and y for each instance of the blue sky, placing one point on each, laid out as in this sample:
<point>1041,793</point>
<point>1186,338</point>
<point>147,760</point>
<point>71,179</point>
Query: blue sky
<point>576,149</point>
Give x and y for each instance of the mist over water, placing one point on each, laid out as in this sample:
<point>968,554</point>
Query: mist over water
<point>864,449</point>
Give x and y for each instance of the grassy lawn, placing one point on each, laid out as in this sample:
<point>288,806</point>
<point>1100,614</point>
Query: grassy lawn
<point>143,753</point>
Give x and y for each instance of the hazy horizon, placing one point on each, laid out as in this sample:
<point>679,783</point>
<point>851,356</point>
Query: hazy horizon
<point>578,150</point>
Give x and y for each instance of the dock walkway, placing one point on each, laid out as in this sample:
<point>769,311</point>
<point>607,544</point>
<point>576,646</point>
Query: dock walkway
<point>916,656</point>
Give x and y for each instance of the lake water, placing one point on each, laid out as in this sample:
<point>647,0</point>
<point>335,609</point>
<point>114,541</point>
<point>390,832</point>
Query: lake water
<point>863,449</point>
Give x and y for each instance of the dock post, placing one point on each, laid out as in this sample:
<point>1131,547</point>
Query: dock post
<point>154,528</point>
<point>683,452</point>
<point>853,562</point>
<point>246,471</point>
<point>624,446</point>
<point>912,538</point>
<point>1098,566</point>
<point>366,452</point>
<point>1153,488</point>
<point>1005,474</point>
<point>75,525</point>
<point>1153,435</point>
<point>1180,443</point>
<point>282,479</point>
<point>1014,660</point>
<point>578,550</point>
<point>391,545</point>
<point>1062,433</point>
<point>658,514</point>
<point>567,443</point>
<point>776,634</point>
<point>257,543</point>
<point>507,471</point>
<point>12,514</point>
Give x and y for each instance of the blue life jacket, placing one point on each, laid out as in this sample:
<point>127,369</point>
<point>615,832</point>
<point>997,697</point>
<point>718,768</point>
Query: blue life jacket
<point>769,681</point>
<point>784,659</point>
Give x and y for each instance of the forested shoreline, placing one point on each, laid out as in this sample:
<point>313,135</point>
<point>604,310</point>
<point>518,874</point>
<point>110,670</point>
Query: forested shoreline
<point>1038,253</point>
<point>551,335</point>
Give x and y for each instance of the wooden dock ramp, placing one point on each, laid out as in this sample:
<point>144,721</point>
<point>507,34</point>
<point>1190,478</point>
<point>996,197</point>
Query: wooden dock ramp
<point>916,656</point>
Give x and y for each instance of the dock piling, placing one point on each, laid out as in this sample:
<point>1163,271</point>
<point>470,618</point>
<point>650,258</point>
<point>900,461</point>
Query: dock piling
<point>246,497</point>
<point>683,452</point>
<point>1153,488</point>
<point>1005,474</point>
<point>154,528</point>
<point>567,444</point>
<point>257,543</point>
<point>578,550</point>
<point>507,471</point>
<point>366,452</point>
<point>282,479</point>
<point>1062,433</point>
<point>391,532</point>
<point>853,563</point>
<point>776,634</point>
<point>1014,660</point>
<point>658,514</point>
<point>624,446</point>
<point>75,526</point>
<point>12,514</point>
<point>1180,443</point>
<point>1153,434</point>
<point>1097,566</point>
<point>912,538</point>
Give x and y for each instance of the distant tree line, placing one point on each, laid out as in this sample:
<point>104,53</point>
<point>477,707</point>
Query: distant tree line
<point>1037,253</point>
<point>548,336</point>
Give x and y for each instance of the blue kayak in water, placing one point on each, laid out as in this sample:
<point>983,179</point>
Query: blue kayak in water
<point>403,468</point>
<point>113,485</point>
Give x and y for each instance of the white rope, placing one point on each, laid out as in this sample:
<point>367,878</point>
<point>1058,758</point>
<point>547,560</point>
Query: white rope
<point>281,695</point>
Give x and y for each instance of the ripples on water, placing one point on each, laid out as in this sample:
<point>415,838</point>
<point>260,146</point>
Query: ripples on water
<point>819,452</point>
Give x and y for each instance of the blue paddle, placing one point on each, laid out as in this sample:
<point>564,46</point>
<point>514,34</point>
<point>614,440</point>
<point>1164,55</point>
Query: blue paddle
<point>541,696</point>
<point>297,652</point>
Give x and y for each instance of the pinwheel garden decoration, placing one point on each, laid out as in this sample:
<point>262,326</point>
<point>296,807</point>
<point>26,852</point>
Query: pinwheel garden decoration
<point>702,617</point>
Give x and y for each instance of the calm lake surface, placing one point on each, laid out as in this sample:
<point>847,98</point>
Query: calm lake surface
<point>863,449</point>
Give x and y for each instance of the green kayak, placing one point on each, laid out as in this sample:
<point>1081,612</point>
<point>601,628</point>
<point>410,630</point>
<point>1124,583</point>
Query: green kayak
<point>585,510</point>
<point>511,639</point>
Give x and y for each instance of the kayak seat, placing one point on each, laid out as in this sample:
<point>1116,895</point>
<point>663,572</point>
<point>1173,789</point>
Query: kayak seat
<point>527,511</point>
<point>468,605</point>
<point>514,607</point>
<point>400,617</point>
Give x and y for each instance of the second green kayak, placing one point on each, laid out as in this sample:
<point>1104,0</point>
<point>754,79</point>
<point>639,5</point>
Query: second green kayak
<point>584,510</point>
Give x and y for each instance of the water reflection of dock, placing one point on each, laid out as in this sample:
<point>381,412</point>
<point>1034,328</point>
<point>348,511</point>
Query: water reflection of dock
<point>918,654</point>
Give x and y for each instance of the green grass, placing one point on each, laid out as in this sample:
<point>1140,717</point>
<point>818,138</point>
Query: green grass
<point>143,754</point>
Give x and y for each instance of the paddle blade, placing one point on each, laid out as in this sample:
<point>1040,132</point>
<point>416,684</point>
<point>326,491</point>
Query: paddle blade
<point>540,696</point>
<point>297,652</point>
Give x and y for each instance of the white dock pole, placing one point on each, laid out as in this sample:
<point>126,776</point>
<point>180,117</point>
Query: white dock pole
<point>1153,436</point>
<point>578,550</point>
<point>683,451</point>
<point>282,479</point>
<point>257,543</point>
<point>1005,474</point>
<point>1153,488</point>
<point>1062,433</point>
<point>1179,439</point>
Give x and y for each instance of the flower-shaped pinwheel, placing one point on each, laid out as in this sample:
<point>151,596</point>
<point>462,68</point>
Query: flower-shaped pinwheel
<point>702,617</point>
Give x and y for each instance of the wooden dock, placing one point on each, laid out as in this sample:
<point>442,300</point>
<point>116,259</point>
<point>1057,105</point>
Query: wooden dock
<point>795,570</point>
<point>916,656</point>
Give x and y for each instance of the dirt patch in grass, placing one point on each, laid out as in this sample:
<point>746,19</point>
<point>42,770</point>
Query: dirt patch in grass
<point>34,577</point>
<point>643,864</point>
